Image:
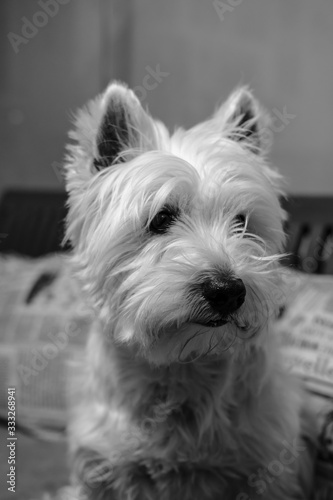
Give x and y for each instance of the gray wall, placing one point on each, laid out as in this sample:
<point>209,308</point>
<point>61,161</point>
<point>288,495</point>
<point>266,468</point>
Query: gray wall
<point>282,48</point>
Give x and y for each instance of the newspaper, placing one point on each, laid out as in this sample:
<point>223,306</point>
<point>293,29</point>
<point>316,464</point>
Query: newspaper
<point>306,331</point>
<point>44,323</point>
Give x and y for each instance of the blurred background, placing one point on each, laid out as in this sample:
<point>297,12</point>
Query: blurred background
<point>182,57</point>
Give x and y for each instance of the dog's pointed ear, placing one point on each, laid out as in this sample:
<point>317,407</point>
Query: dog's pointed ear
<point>124,126</point>
<point>112,128</point>
<point>246,121</point>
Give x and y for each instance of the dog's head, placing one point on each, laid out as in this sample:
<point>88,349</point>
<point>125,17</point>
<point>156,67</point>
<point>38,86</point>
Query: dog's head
<point>176,237</point>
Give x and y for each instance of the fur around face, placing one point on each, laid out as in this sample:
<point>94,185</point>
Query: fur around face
<point>177,400</point>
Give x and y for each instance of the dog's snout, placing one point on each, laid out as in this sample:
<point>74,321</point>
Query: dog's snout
<point>226,295</point>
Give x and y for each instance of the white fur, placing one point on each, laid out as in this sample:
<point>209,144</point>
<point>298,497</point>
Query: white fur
<point>170,408</point>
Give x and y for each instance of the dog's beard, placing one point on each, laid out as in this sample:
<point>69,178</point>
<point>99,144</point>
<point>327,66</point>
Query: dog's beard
<point>192,341</point>
<point>167,327</point>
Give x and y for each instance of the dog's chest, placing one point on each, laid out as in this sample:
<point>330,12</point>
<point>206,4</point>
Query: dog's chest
<point>187,416</point>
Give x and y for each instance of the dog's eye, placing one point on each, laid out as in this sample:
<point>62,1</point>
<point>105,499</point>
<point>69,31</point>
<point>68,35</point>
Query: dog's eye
<point>162,221</point>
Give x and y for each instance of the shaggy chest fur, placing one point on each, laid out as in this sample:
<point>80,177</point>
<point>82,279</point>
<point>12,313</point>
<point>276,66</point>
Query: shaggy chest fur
<point>203,423</point>
<point>201,411</point>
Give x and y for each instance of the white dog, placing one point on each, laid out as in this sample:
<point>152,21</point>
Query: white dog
<point>177,241</point>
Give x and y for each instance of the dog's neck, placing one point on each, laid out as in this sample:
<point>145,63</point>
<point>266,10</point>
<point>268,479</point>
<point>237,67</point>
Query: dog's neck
<point>197,407</point>
<point>156,392</point>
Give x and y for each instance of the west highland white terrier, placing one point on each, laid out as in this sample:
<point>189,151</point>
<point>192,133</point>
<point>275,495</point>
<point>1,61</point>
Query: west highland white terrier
<point>177,240</point>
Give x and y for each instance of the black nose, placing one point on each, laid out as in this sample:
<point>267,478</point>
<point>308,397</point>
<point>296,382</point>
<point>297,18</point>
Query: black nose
<point>224,295</point>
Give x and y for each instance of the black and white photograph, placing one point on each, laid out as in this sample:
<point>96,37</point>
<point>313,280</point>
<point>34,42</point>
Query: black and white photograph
<point>166,250</point>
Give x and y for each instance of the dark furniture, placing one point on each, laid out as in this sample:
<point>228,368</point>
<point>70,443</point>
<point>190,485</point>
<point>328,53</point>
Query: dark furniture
<point>32,222</point>
<point>310,233</point>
